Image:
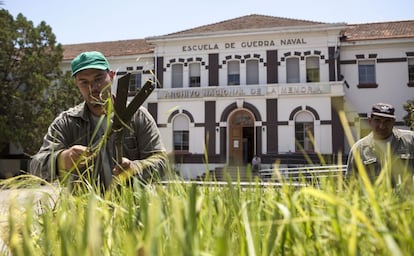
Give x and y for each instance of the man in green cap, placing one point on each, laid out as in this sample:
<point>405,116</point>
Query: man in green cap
<point>67,151</point>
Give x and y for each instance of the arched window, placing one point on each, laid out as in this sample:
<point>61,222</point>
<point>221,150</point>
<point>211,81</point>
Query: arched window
<point>304,132</point>
<point>181,133</point>
<point>233,72</point>
<point>292,70</point>
<point>312,69</point>
<point>177,75</point>
<point>194,73</point>
<point>252,71</point>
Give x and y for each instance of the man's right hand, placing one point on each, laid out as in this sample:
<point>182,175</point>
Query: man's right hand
<point>76,155</point>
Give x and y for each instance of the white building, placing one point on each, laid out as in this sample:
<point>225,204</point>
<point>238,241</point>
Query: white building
<point>288,90</point>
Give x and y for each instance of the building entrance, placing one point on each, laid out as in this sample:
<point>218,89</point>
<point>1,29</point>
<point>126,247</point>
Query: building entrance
<point>241,139</point>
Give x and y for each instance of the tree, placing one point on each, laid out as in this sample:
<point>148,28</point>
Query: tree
<point>30,76</point>
<point>409,118</point>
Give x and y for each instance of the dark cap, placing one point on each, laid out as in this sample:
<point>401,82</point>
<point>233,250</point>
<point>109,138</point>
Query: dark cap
<point>86,60</point>
<point>383,110</point>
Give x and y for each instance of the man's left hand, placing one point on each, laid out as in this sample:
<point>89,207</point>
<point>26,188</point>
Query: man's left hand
<point>123,169</point>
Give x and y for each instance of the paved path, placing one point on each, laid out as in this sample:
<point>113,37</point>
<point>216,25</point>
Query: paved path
<point>23,196</point>
<point>16,200</point>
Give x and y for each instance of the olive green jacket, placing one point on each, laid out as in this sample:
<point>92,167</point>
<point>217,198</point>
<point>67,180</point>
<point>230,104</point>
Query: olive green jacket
<point>141,143</point>
<point>400,162</point>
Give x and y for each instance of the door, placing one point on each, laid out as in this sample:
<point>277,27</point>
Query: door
<point>241,137</point>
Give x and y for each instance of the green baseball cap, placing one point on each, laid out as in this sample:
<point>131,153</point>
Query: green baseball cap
<point>86,60</point>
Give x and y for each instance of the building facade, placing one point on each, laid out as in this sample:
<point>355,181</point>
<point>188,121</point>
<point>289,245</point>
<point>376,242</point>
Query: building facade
<point>290,91</point>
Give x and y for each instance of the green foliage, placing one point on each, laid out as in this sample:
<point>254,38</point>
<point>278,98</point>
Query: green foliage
<point>337,218</point>
<point>29,65</point>
<point>409,118</point>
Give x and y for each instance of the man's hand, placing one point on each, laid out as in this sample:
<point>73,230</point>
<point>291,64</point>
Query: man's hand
<point>125,166</point>
<point>76,155</point>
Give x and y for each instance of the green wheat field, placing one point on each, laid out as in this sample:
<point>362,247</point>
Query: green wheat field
<point>337,217</point>
<point>333,216</point>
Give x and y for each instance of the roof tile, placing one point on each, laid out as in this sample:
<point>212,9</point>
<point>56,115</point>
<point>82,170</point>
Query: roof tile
<point>253,21</point>
<point>380,30</point>
<point>109,48</point>
<point>354,32</point>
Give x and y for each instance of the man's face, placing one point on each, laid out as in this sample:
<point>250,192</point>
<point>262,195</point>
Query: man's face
<point>94,85</point>
<point>381,126</point>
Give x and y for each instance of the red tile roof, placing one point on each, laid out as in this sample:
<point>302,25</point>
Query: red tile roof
<point>368,31</point>
<point>253,21</point>
<point>110,48</point>
<point>380,30</point>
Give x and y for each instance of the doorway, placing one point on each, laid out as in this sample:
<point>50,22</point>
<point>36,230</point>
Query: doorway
<point>241,138</point>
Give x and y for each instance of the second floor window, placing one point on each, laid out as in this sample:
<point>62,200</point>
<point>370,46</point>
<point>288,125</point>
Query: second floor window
<point>177,75</point>
<point>312,69</point>
<point>252,72</point>
<point>411,70</point>
<point>233,72</point>
<point>292,70</point>
<point>194,70</point>
<point>135,82</point>
<point>366,72</point>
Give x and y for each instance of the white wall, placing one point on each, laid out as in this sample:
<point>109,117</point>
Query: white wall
<point>322,133</point>
<point>391,77</point>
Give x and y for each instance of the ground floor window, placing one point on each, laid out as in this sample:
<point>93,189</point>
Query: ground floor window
<point>304,132</point>
<point>304,137</point>
<point>181,133</point>
<point>181,140</point>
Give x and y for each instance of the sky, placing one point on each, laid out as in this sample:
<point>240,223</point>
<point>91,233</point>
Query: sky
<point>83,21</point>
